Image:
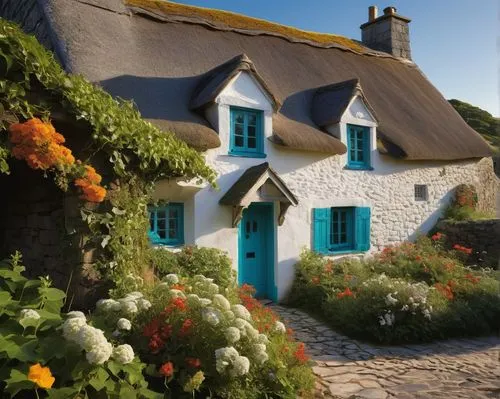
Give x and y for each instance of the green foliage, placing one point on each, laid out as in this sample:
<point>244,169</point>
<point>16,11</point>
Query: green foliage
<point>134,145</point>
<point>466,213</point>
<point>481,121</point>
<point>407,293</point>
<point>193,260</point>
<point>25,341</point>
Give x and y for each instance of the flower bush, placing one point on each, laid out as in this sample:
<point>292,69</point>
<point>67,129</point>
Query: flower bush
<point>59,356</point>
<point>197,336</point>
<point>408,292</point>
<point>193,260</point>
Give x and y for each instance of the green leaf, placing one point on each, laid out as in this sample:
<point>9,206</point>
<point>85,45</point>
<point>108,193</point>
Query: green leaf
<point>115,368</point>
<point>53,294</point>
<point>62,393</point>
<point>5,298</point>
<point>98,381</point>
<point>29,322</point>
<point>127,392</point>
<point>17,382</point>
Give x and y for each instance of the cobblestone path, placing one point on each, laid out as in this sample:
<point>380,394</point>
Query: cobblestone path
<point>459,368</point>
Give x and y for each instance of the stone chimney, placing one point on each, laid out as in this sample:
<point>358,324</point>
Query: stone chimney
<point>389,32</point>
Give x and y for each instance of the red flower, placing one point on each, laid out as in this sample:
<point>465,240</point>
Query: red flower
<point>437,236</point>
<point>472,279</point>
<point>186,327</point>
<point>328,267</point>
<point>300,353</point>
<point>166,332</point>
<point>151,328</point>
<point>156,343</point>
<point>418,258</point>
<point>193,362</point>
<point>315,280</point>
<point>446,290</point>
<point>346,292</point>
<point>167,369</point>
<point>177,303</point>
<point>460,248</point>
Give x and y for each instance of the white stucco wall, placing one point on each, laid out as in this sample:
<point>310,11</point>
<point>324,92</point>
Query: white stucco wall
<point>319,180</point>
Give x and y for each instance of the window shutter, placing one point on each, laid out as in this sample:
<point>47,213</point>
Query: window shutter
<point>362,229</point>
<point>321,220</point>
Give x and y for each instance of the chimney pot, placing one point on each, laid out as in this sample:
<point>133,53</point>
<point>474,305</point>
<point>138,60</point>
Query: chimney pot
<point>372,13</point>
<point>390,10</point>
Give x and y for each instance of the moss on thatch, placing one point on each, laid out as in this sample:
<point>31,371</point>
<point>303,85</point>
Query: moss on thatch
<point>219,18</point>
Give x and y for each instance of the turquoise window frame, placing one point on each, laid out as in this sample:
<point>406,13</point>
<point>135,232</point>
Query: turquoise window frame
<point>156,229</point>
<point>341,229</point>
<point>245,137</point>
<point>358,147</point>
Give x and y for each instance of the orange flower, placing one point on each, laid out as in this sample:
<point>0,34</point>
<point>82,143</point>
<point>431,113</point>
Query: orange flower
<point>39,144</point>
<point>300,354</point>
<point>89,184</point>
<point>41,376</point>
<point>315,280</point>
<point>437,236</point>
<point>346,292</point>
<point>193,362</point>
<point>167,369</point>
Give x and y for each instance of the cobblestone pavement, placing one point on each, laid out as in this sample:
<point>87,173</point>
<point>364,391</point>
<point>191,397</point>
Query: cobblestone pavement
<point>460,368</point>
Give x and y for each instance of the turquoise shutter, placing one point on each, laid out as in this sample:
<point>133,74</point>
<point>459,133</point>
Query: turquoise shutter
<point>366,149</point>
<point>321,220</point>
<point>362,229</point>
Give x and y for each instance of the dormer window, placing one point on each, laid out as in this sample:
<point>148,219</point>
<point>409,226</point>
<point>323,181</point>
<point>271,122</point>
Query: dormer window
<point>358,147</point>
<point>246,133</point>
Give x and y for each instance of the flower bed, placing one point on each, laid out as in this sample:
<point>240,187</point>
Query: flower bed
<point>409,292</point>
<point>183,337</point>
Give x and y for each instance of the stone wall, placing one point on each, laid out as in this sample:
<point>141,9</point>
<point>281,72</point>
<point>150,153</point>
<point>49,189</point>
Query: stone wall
<point>483,236</point>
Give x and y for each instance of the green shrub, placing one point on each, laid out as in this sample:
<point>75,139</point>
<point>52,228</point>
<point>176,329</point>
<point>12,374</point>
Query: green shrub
<point>406,293</point>
<point>198,341</point>
<point>193,260</point>
<point>40,351</point>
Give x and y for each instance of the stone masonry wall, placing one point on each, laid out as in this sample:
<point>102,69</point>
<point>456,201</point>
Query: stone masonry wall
<point>483,236</point>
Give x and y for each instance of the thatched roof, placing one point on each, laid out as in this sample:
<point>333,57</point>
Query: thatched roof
<point>330,102</point>
<point>159,54</point>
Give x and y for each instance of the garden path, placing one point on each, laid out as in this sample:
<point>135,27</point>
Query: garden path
<point>459,368</point>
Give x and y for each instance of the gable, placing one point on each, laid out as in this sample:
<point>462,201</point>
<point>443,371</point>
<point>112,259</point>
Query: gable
<point>358,112</point>
<point>244,91</point>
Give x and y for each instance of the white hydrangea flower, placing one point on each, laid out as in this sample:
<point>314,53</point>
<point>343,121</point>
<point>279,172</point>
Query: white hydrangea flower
<point>427,314</point>
<point>193,299</point>
<point>261,357</point>
<point>172,278</point>
<point>221,302</point>
<point>75,314</point>
<point>405,308</point>
<point>381,320</point>
<point>279,327</point>
<point>252,332</point>
<point>256,348</point>
<point>123,354</point>
<point>123,324</point>
<point>241,366</point>
<point>71,328</point>
<point>106,305</point>
<point>241,325</point>
<point>212,289</point>
<point>163,286</point>
<point>241,312</point>
<point>143,304</point>
<point>262,339</point>
<point>389,318</point>
<point>232,335</point>
<point>134,295</point>
<point>211,316</point>
<point>98,354</point>
<point>177,294</point>
<point>390,300</point>
<point>89,337</point>
<point>29,314</point>
<point>205,302</point>
<point>129,307</point>
<point>225,357</point>
<point>229,315</point>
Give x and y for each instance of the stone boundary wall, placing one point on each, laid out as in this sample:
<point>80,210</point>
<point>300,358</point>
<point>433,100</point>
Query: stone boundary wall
<point>483,236</point>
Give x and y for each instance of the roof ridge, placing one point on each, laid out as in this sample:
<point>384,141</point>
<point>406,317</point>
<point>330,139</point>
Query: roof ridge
<point>169,11</point>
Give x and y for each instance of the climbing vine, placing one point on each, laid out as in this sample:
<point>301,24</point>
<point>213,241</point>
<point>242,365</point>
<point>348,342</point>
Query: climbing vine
<point>33,84</point>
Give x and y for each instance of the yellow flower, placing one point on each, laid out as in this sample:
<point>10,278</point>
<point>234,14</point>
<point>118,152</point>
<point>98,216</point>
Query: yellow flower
<point>41,376</point>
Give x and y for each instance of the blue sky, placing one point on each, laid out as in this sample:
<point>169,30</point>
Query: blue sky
<point>454,42</point>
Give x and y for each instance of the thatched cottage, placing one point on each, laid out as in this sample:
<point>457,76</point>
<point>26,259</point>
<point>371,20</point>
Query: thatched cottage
<point>320,141</point>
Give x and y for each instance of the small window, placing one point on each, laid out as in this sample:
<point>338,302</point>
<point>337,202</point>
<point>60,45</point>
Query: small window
<point>421,192</point>
<point>358,147</point>
<point>342,229</point>
<point>166,224</point>
<point>246,133</point>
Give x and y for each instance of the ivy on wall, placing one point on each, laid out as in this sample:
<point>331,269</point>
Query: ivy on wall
<point>32,82</point>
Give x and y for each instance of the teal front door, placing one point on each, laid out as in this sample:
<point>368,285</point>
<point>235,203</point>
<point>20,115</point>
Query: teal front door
<point>256,249</point>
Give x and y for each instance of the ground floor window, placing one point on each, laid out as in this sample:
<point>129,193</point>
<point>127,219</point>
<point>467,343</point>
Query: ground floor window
<point>166,224</point>
<point>341,229</point>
